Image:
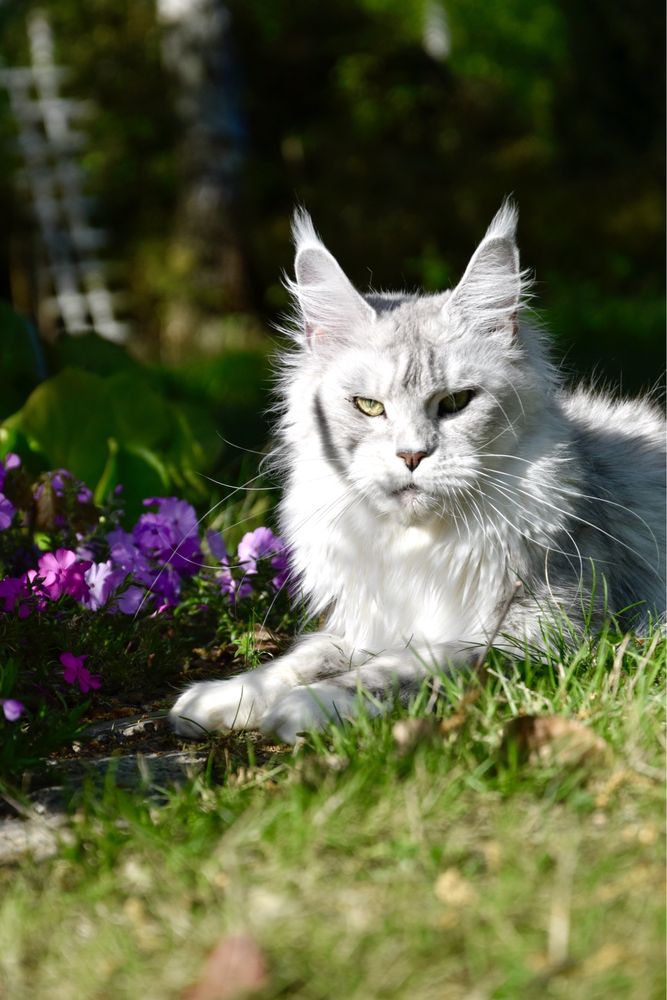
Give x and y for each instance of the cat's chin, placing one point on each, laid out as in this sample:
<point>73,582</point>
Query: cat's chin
<point>410,504</point>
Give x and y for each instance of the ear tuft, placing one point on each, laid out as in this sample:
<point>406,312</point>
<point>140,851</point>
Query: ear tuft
<point>330,309</point>
<point>489,295</point>
<point>303,231</point>
<point>504,223</point>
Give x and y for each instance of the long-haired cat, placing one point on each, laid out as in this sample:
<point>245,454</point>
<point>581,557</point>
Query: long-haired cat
<point>430,460</point>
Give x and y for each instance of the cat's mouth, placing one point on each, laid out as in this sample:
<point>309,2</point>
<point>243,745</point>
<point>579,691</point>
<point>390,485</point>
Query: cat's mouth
<point>407,494</point>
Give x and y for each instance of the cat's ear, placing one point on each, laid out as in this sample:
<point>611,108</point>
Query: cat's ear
<point>489,293</point>
<point>330,307</point>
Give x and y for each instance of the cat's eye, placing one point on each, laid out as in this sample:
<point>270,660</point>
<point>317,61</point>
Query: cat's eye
<point>454,402</point>
<point>371,407</point>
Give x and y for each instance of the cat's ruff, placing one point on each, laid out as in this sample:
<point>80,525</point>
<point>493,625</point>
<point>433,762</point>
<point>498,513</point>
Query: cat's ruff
<point>508,477</point>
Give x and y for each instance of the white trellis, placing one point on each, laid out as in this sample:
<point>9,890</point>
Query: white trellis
<point>50,148</point>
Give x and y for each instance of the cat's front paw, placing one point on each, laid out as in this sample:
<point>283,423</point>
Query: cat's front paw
<point>312,706</point>
<point>216,706</point>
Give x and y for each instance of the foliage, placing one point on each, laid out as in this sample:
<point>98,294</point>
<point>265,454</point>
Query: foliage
<point>106,431</point>
<point>110,420</point>
<point>401,151</point>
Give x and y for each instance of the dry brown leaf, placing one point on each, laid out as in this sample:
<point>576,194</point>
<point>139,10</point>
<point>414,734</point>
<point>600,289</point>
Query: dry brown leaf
<point>452,723</point>
<point>236,967</point>
<point>552,739</point>
<point>264,640</point>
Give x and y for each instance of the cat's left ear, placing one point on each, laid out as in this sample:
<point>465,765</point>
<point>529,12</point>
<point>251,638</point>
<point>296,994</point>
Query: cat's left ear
<point>332,310</point>
<point>488,296</point>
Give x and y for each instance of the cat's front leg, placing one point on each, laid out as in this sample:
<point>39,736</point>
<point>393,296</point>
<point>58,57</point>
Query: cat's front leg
<point>242,701</point>
<point>372,686</point>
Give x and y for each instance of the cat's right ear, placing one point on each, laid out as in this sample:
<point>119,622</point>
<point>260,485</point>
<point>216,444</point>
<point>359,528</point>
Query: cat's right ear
<point>330,308</point>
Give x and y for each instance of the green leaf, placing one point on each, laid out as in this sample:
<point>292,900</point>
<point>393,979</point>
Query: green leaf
<point>70,419</point>
<point>142,475</point>
<point>18,361</point>
<point>109,477</point>
<point>94,354</point>
<point>141,416</point>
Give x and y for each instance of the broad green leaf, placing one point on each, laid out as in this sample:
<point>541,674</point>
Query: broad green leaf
<point>142,475</point>
<point>141,416</point>
<point>18,360</point>
<point>70,419</point>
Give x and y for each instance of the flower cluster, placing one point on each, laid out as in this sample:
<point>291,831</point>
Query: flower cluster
<point>101,567</point>
<point>144,567</point>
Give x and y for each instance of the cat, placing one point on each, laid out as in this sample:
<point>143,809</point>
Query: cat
<point>431,459</point>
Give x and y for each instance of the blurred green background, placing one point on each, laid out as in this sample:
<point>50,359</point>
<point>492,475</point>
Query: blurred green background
<point>399,124</point>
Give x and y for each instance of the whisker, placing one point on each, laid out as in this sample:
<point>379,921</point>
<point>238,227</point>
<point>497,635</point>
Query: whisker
<point>240,447</point>
<point>578,494</point>
<point>589,524</point>
<point>504,492</point>
<point>510,424</point>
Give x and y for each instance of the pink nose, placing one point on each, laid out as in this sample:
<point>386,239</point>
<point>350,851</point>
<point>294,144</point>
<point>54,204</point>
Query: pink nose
<point>412,458</point>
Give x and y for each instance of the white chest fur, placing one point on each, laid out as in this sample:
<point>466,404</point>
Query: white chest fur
<point>386,584</point>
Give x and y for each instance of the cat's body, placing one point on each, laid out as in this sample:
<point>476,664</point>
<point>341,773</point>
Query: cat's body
<point>431,460</point>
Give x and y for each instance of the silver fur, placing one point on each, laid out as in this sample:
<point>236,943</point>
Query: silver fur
<point>562,491</point>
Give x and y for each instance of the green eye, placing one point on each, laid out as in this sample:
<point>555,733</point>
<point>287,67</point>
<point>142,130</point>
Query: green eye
<point>371,407</point>
<point>454,402</point>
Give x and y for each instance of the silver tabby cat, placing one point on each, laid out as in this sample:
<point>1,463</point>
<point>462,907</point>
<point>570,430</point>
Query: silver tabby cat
<point>431,459</point>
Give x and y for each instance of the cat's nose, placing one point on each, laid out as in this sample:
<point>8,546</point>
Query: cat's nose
<point>412,458</point>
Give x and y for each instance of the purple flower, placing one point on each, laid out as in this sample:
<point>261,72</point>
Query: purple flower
<point>217,547</point>
<point>255,545</point>
<point>74,672</point>
<point>33,590</point>
<point>187,556</point>
<point>130,600</point>
<point>101,580</point>
<point>263,544</point>
<point>24,593</point>
<point>10,461</point>
<point>59,480</point>
<point>171,534</point>
<point>7,511</point>
<point>12,709</point>
<point>63,573</point>
<point>235,590</point>
<point>280,564</point>
<point>154,536</point>
<point>179,513</point>
<point>167,585</point>
<point>127,556</point>
<point>11,589</point>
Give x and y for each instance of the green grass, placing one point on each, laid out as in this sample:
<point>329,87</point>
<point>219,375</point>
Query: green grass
<point>367,869</point>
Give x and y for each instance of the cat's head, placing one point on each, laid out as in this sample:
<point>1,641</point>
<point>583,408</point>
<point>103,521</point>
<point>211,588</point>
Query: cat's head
<point>411,397</point>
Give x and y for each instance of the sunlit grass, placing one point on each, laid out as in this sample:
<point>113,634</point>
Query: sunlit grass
<point>433,866</point>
